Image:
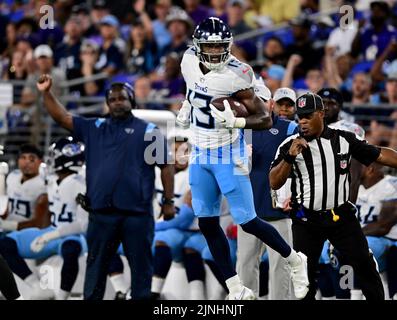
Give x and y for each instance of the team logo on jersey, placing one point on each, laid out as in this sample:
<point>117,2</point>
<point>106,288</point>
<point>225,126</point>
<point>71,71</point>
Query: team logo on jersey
<point>273,131</point>
<point>129,130</point>
<point>202,80</point>
<point>302,102</point>
<point>343,164</point>
<point>200,88</point>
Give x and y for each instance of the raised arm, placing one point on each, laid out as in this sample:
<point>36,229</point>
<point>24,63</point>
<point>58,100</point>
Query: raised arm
<point>56,110</point>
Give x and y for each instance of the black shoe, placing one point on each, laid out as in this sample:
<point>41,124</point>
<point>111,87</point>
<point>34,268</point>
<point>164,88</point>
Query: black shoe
<point>155,296</point>
<point>120,296</point>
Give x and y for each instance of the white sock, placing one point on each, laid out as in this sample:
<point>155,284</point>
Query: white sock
<point>196,289</point>
<point>293,259</point>
<point>157,284</point>
<point>356,294</point>
<point>118,282</point>
<point>62,295</point>
<point>20,298</point>
<point>234,284</point>
<point>32,281</point>
<point>394,297</point>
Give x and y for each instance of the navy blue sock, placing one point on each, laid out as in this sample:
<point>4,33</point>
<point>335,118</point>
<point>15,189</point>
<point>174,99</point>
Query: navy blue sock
<point>162,261</point>
<point>268,234</point>
<point>391,270</point>
<point>70,252</point>
<point>217,273</point>
<point>194,266</point>
<point>9,251</point>
<point>218,245</point>
<point>116,265</point>
<point>264,278</point>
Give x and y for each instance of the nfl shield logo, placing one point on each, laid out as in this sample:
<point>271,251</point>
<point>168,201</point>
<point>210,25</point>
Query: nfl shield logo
<point>343,164</point>
<point>302,102</point>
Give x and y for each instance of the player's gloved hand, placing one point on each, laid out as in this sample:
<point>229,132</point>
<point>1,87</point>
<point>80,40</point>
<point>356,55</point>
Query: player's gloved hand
<point>183,118</point>
<point>39,243</point>
<point>8,225</point>
<point>226,118</point>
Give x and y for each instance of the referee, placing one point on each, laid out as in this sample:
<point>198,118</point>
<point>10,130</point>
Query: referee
<point>318,160</point>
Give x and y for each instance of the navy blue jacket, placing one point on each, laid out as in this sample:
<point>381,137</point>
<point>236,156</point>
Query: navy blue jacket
<point>264,147</point>
<point>120,168</point>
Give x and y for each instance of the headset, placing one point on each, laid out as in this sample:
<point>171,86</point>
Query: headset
<point>122,85</point>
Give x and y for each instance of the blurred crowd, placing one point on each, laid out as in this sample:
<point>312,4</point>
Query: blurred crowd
<point>300,46</point>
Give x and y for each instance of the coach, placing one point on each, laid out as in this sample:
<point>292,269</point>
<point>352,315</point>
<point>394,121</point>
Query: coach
<point>120,185</point>
<point>319,159</point>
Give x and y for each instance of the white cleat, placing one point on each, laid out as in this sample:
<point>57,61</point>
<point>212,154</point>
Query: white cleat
<point>245,294</point>
<point>299,277</point>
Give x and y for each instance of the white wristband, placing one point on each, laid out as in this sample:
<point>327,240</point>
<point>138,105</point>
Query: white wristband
<point>240,123</point>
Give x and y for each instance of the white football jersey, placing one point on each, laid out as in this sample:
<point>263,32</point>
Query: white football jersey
<point>22,197</point>
<point>370,201</point>
<point>349,126</point>
<point>202,88</point>
<point>62,199</point>
<point>181,186</point>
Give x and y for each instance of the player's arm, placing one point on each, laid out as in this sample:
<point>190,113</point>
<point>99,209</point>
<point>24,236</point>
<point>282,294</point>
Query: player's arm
<point>41,217</point>
<point>386,220</point>
<point>387,157</point>
<point>53,106</point>
<point>260,115</point>
<point>167,179</point>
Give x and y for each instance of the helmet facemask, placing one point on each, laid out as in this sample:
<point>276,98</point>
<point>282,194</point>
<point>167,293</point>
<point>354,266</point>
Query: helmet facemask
<point>213,60</point>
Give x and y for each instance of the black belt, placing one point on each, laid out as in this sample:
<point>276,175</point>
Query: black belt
<point>303,212</point>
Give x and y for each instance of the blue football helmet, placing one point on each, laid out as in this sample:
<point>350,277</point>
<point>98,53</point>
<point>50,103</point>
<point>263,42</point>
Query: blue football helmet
<point>66,154</point>
<point>209,32</point>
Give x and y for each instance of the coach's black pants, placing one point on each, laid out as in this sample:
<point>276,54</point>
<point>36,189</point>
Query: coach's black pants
<point>310,233</point>
<point>105,233</point>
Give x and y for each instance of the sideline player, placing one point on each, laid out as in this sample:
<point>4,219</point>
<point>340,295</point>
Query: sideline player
<point>68,223</point>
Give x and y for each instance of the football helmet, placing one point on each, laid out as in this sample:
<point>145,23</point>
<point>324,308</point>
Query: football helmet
<point>213,31</point>
<point>66,154</point>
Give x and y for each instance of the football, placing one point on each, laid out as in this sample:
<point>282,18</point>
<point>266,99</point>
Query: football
<point>238,108</point>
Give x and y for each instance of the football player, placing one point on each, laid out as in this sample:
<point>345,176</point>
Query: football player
<point>219,162</point>
<point>26,191</point>
<point>68,224</point>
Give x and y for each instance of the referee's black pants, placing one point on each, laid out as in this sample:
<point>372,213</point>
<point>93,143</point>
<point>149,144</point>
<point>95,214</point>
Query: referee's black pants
<point>104,234</point>
<point>309,235</point>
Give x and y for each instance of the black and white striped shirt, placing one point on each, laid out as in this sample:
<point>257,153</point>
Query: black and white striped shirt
<point>320,174</point>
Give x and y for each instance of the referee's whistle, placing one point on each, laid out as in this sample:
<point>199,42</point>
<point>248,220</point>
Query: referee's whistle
<point>335,217</point>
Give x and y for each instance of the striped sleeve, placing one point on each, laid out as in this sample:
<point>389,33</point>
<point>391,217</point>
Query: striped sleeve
<point>282,150</point>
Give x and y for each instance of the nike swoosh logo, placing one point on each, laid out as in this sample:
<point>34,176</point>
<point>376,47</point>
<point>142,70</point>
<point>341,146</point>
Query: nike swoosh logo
<point>246,70</point>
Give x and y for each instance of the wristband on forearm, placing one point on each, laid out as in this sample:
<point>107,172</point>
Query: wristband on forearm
<point>289,158</point>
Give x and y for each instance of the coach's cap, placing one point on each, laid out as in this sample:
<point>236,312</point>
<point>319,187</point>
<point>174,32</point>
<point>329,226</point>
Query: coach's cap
<point>285,93</point>
<point>110,20</point>
<point>276,72</point>
<point>332,94</point>
<point>308,103</point>
<point>42,50</point>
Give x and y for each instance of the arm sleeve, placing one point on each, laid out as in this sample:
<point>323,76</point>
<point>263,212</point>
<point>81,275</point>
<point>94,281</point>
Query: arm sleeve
<point>182,221</point>
<point>360,149</point>
<point>78,226</point>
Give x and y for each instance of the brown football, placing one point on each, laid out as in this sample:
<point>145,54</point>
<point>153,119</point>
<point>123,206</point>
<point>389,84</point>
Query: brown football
<point>238,108</point>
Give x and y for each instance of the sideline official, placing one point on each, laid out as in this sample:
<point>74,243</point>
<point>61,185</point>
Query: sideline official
<point>319,160</point>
